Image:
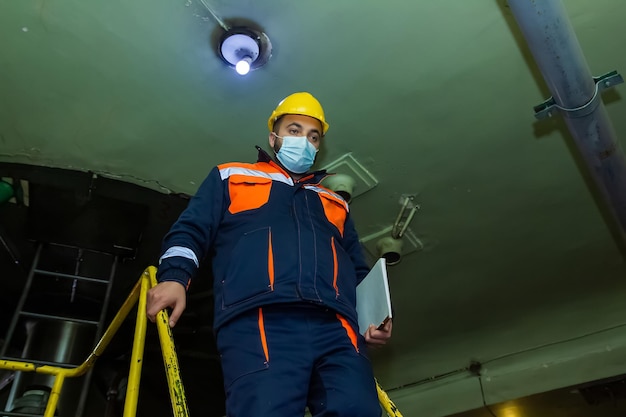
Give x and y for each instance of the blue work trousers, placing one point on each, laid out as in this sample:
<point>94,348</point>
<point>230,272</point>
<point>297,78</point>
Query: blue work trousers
<point>277,360</point>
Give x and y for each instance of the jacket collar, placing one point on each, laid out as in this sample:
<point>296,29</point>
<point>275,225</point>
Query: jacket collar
<point>314,177</point>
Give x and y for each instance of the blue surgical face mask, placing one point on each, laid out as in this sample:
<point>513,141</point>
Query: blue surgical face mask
<point>296,153</point>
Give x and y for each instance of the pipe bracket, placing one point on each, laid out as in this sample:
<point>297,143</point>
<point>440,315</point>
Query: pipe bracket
<point>549,107</point>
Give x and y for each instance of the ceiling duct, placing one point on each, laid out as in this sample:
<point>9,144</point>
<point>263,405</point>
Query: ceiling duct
<point>350,178</point>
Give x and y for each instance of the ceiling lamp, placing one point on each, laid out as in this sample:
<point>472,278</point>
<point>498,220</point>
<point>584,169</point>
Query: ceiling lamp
<point>244,49</point>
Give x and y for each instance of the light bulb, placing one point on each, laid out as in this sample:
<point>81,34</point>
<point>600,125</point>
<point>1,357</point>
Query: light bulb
<point>243,66</point>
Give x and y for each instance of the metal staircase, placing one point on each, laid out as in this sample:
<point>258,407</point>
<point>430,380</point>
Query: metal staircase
<point>57,340</point>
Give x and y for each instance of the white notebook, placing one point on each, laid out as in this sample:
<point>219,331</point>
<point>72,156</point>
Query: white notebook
<point>373,302</point>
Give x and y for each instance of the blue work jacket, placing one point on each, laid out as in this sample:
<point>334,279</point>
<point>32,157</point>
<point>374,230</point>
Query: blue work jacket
<point>270,240</point>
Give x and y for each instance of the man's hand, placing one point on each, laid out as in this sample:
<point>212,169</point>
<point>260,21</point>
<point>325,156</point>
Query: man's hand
<point>166,294</point>
<point>378,337</point>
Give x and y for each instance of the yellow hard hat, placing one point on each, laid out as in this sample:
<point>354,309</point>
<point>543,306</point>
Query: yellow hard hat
<point>299,103</point>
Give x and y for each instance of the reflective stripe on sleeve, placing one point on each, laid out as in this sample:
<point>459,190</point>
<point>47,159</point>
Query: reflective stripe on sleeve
<point>181,251</point>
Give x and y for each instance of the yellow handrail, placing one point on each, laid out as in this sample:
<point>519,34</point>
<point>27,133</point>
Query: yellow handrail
<point>170,359</point>
<point>138,293</point>
<point>388,405</point>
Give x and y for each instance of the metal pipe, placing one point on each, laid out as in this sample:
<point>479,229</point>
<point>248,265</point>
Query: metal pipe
<point>554,45</point>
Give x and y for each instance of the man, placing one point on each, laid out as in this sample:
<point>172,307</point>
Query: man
<point>286,260</point>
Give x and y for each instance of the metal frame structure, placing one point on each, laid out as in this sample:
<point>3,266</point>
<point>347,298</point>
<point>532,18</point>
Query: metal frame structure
<point>175,384</point>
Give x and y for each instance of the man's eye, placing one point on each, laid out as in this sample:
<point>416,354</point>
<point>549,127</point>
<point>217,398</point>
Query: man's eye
<point>293,131</point>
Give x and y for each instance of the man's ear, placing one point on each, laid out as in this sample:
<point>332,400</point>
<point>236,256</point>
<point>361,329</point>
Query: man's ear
<point>272,139</point>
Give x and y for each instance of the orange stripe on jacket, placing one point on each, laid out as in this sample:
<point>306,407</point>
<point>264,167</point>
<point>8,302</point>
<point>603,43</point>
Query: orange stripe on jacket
<point>270,262</point>
<point>262,333</point>
<point>335,208</point>
<point>335,267</point>
<point>350,331</point>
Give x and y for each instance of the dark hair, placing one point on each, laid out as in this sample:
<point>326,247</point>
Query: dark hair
<point>277,123</point>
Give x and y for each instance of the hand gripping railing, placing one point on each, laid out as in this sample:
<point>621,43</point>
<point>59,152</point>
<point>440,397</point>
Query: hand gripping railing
<point>138,293</point>
<point>174,382</point>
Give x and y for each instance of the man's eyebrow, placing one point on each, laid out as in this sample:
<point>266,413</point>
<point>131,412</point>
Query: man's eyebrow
<point>299,126</point>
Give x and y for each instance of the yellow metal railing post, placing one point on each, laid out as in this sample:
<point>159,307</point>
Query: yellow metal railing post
<point>136,359</point>
<point>54,395</point>
<point>388,405</point>
<point>170,359</point>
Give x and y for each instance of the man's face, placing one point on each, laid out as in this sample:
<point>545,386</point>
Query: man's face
<point>297,125</point>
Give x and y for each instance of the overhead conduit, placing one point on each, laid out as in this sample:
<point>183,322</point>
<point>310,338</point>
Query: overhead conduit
<point>576,94</point>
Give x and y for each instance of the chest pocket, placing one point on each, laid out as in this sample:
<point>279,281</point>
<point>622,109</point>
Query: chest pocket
<point>335,210</point>
<point>248,192</point>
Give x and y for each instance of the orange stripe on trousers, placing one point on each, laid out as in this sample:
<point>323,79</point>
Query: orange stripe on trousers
<point>262,333</point>
<point>350,331</point>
